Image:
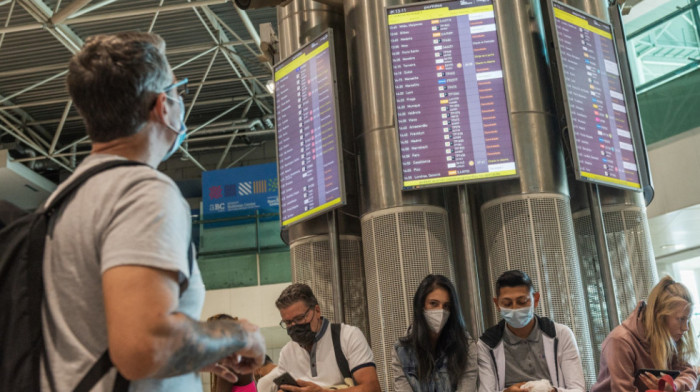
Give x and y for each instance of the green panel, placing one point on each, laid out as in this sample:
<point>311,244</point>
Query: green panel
<point>270,234</point>
<point>240,237</point>
<point>275,267</point>
<point>236,237</point>
<point>222,272</point>
<point>671,108</point>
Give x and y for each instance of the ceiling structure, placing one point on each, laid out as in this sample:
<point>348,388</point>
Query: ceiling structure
<point>663,39</point>
<point>212,42</point>
<point>229,111</point>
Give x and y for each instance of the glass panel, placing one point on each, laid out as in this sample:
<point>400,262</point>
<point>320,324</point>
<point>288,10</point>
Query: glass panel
<point>646,12</point>
<point>228,252</point>
<point>239,234</point>
<point>659,50</point>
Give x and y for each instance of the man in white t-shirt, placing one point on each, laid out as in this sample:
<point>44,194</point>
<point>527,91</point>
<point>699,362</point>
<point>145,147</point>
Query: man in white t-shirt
<point>310,357</point>
<point>117,274</point>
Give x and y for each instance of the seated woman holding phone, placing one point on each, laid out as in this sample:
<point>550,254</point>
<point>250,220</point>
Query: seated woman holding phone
<point>245,381</point>
<point>656,339</point>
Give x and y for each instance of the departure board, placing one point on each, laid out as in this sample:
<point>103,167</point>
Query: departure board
<point>594,101</point>
<point>308,145</point>
<point>450,98</point>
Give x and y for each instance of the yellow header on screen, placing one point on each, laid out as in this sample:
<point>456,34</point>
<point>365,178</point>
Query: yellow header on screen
<point>580,22</point>
<point>460,178</point>
<point>435,13</point>
<point>311,212</point>
<point>610,180</point>
<point>294,64</point>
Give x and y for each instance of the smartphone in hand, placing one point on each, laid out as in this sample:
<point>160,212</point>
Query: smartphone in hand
<point>657,372</point>
<point>285,379</point>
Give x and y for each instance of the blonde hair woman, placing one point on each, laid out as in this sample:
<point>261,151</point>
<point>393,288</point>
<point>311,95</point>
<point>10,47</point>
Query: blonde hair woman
<point>657,335</point>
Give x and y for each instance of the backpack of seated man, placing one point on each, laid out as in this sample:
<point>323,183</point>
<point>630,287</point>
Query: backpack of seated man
<point>22,239</point>
<point>348,380</point>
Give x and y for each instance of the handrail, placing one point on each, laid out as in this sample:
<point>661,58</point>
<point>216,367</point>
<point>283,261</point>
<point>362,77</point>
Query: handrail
<point>667,77</point>
<point>234,218</point>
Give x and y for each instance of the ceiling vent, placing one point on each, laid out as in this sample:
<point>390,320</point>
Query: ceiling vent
<point>20,185</point>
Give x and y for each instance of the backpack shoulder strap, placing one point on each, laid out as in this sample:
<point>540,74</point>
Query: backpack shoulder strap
<point>97,371</point>
<point>9,213</point>
<point>104,363</point>
<point>339,356</point>
<point>80,180</point>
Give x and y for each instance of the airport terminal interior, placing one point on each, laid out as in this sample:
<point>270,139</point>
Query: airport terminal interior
<point>359,145</point>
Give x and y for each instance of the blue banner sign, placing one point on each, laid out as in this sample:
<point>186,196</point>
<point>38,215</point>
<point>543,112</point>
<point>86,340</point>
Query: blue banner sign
<point>240,191</point>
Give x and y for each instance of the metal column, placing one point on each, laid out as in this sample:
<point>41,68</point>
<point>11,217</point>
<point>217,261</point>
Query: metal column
<point>405,235</point>
<point>527,223</point>
<point>315,247</point>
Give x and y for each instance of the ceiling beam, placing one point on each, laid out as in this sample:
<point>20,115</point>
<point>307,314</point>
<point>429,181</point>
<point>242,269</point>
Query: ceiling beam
<point>111,15</point>
<point>93,7</point>
<point>58,112</point>
<point>10,129</point>
<point>42,14</point>
<point>68,11</point>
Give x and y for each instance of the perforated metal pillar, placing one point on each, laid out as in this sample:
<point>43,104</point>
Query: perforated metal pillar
<point>592,283</point>
<point>404,234</point>
<point>630,250</point>
<point>311,259</point>
<point>527,223</point>
<point>401,246</point>
<point>631,258</point>
<point>626,229</point>
<point>310,265</point>
<point>534,233</point>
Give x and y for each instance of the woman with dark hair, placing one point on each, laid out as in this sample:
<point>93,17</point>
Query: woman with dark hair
<point>437,355</point>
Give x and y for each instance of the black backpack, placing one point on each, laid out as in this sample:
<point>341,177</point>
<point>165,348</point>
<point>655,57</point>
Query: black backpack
<point>22,291</point>
<point>339,356</point>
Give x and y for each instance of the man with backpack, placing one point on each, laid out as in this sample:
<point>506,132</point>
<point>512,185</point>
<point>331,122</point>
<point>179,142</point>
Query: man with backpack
<point>321,355</point>
<point>121,286</point>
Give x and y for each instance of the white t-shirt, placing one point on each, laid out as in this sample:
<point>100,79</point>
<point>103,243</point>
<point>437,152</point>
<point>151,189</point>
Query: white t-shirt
<point>320,366</point>
<point>132,215</point>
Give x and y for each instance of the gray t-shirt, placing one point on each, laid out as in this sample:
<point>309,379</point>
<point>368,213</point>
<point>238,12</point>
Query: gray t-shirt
<point>525,360</point>
<point>130,215</point>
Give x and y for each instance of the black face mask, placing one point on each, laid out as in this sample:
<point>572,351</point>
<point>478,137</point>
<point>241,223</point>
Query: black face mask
<point>302,334</point>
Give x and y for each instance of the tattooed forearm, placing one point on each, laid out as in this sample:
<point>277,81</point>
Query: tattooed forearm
<point>200,344</point>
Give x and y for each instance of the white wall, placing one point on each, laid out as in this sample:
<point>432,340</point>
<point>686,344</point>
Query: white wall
<point>254,303</point>
<point>675,169</point>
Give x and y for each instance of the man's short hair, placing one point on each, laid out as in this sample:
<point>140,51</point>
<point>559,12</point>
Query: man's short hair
<point>513,278</point>
<point>114,80</point>
<point>296,292</point>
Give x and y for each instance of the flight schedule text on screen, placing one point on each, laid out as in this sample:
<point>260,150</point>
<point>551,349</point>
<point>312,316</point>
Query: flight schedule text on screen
<point>307,137</point>
<point>594,99</point>
<point>450,98</point>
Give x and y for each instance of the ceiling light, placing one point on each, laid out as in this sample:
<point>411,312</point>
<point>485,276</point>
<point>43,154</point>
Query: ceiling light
<point>672,246</point>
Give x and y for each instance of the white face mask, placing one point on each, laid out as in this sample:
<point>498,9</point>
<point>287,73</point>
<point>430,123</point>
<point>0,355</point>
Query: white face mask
<point>181,133</point>
<point>436,318</point>
<point>518,318</point>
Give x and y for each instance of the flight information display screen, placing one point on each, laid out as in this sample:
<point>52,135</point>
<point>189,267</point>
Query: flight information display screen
<point>308,144</point>
<point>594,101</point>
<point>450,98</point>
